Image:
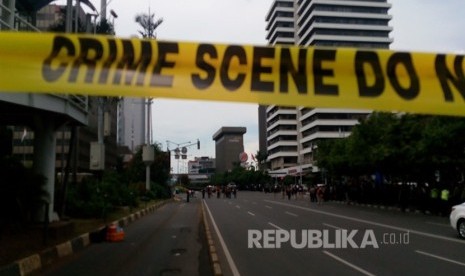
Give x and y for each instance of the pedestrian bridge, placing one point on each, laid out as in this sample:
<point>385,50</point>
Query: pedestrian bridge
<point>43,113</point>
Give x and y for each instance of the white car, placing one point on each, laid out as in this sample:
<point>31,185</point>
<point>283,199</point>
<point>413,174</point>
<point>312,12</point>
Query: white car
<point>457,219</point>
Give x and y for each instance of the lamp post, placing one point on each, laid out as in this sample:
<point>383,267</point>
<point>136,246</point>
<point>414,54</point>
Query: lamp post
<point>148,151</point>
<point>103,9</point>
<point>114,16</point>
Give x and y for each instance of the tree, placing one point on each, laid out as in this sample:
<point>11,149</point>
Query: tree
<point>404,148</point>
<point>160,168</point>
<point>261,157</point>
<point>148,24</point>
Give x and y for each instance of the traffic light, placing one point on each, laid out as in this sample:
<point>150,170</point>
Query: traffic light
<point>198,144</point>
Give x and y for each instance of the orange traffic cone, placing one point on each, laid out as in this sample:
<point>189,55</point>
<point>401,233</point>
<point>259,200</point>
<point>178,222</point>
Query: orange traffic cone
<point>114,233</point>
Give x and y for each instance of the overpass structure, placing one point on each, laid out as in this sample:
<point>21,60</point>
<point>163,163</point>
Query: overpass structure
<point>43,113</point>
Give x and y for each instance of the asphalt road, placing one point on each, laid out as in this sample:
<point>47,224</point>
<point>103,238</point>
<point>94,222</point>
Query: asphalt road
<point>395,243</point>
<point>170,241</point>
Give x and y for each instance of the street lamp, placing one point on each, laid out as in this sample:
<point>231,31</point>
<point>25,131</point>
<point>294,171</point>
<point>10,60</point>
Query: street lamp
<point>114,15</point>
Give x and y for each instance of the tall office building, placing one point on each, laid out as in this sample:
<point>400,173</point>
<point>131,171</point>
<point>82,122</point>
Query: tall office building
<point>229,144</point>
<point>292,133</point>
<point>131,122</point>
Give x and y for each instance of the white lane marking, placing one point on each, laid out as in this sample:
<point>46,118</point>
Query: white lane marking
<point>439,257</point>
<point>252,214</point>
<point>291,214</point>
<point>439,224</point>
<point>456,240</point>
<point>269,207</point>
<point>230,260</point>
<point>238,207</point>
<point>361,270</point>
<point>331,226</point>
<point>275,226</point>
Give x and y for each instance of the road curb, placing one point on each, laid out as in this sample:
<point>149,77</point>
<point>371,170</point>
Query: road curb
<point>216,266</point>
<point>36,262</point>
<point>378,206</point>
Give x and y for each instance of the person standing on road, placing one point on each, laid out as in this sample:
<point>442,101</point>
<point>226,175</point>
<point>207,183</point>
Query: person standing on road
<point>434,196</point>
<point>288,192</point>
<point>445,201</point>
<point>404,197</point>
<point>313,194</point>
<point>320,195</point>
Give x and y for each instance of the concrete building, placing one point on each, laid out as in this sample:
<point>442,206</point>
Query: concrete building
<point>201,165</point>
<point>131,122</point>
<point>292,133</point>
<point>229,144</point>
<point>23,140</point>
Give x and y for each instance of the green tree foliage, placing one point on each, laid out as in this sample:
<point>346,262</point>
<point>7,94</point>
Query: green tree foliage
<point>6,141</point>
<point>21,192</point>
<point>261,157</point>
<point>124,187</point>
<point>148,23</point>
<point>404,147</point>
<point>159,169</point>
<point>184,180</point>
<point>241,177</point>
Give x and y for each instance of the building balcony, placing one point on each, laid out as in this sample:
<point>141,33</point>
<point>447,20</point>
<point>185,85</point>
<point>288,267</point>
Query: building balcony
<point>281,154</point>
<point>281,133</point>
<point>281,122</point>
<point>282,143</point>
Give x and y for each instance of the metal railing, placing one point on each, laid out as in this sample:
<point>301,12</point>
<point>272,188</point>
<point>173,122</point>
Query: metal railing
<point>10,20</point>
<point>80,102</point>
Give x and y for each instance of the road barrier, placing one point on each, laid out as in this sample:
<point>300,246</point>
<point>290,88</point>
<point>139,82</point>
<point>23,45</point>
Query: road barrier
<point>371,79</point>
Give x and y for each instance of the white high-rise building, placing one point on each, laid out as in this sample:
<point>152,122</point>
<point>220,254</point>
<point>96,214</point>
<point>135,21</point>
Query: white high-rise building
<point>131,122</point>
<point>292,133</point>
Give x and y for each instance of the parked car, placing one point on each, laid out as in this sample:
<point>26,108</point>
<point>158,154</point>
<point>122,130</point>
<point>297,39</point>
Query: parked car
<point>457,219</point>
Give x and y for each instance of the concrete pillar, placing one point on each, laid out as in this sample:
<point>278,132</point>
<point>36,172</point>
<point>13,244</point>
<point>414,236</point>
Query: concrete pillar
<point>44,158</point>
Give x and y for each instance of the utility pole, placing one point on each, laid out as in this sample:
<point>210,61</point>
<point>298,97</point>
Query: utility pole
<point>103,10</point>
<point>148,154</point>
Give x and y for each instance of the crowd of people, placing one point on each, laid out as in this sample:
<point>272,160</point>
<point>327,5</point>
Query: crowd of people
<point>436,198</point>
<point>228,191</point>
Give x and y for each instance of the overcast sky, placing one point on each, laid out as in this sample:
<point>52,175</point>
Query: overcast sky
<point>419,25</point>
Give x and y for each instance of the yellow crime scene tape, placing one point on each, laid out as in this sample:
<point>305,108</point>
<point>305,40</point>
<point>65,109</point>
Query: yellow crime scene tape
<point>290,76</point>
